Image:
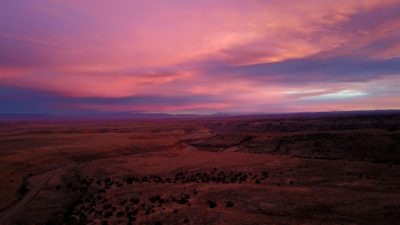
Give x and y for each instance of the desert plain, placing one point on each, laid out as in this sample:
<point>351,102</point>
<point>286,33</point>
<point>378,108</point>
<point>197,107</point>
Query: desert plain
<point>338,169</point>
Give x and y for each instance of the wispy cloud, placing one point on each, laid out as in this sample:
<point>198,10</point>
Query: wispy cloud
<point>309,70</point>
<point>180,56</point>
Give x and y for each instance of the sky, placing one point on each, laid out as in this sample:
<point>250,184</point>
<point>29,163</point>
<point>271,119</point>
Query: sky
<point>208,56</point>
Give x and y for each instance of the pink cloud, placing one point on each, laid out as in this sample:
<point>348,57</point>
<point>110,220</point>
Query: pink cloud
<point>104,49</point>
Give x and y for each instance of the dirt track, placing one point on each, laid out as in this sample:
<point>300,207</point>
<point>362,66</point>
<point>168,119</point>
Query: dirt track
<point>34,190</point>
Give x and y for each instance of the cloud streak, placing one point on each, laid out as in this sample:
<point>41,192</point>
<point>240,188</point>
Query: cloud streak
<point>309,70</point>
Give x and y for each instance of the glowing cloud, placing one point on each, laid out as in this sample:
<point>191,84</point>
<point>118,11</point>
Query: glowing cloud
<point>219,56</point>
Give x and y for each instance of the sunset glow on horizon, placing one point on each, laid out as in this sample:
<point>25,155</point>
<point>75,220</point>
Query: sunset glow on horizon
<point>176,56</point>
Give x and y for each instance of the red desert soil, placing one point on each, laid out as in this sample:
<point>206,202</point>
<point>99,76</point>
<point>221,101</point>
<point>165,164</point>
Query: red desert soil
<point>336,170</point>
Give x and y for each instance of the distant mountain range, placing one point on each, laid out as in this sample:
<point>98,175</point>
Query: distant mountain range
<point>150,116</point>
